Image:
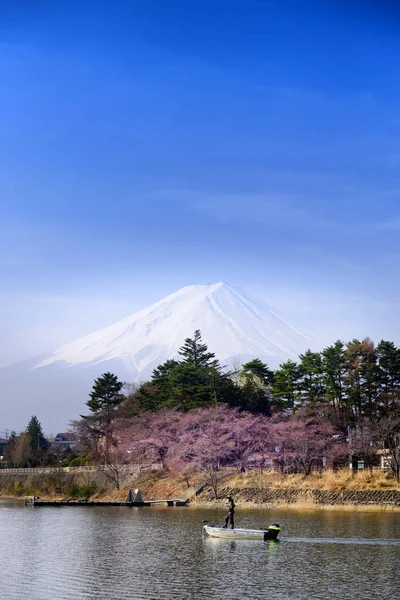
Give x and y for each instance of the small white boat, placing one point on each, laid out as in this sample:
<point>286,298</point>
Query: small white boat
<point>242,534</point>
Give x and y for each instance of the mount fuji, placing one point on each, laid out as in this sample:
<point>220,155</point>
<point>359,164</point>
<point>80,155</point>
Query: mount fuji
<point>233,326</point>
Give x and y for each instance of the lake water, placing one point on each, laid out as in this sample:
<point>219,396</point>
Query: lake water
<point>160,554</point>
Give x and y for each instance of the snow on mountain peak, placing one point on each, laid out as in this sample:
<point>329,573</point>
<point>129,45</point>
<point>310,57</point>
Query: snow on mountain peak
<point>232,325</point>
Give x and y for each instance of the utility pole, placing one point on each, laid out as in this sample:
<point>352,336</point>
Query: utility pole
<point>349,440</point>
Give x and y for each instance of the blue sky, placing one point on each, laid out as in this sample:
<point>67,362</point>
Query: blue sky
<point>150,145</point>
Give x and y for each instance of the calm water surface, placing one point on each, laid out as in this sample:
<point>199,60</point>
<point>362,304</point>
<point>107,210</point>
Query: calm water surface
<point>160,554</point>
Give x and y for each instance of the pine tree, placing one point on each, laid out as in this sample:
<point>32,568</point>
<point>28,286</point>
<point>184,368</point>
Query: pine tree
<point>195,352</point>
<point>149,399</point>
<point>369,373</point>
<point>161,380</point>
<point>388,375</point>
<point>163,371</point>
<point>255,385</point>
<point>311,381</point>
<point>285,387</point>
<point>259,369</point>
<point>37,441</point>
<point>105,397</point>
<point>334,370</point>
<point>194,382</point>
<point>255,398</point>
<point>353,378</point>
<point>361,378</point>
<point>190,387</point>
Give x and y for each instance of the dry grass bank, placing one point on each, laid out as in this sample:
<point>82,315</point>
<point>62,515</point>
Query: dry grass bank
<point>341,489</point>
<point>327,480</point>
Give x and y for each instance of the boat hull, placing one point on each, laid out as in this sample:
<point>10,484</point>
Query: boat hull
<point>242,534</point>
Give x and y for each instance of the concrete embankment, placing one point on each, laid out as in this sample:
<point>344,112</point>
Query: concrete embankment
<point>304,497</point>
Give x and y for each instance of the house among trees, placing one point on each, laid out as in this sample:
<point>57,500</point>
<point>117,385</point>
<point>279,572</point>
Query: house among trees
<point>3,444</point>
<point>62,441</point>
<point>385,459</point>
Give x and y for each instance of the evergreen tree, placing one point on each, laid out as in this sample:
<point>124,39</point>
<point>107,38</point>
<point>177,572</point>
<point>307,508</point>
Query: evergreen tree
<point>190,387</point>
<point>162,372</point>
<point>353,378</point>
<point>186,386</point>
<point>97,428</point>
<point>259,369</point>
<point>194,382</point>
<point>369,374</point>
<point>388,375</point>
<point>146,399</point>
<point>255,385</point>
<point>161,381</point>
<point>195,352</point>
<point>105,397</point>
<point>37,441</point>
<point>334,371</point>
<point>223,388</point>
<point>311,385</point>
<point>255,397</point>
<point>285,387</point>
<point>361,378</point>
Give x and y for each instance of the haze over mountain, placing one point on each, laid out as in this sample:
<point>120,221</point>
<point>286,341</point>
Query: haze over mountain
<point>234,326</point>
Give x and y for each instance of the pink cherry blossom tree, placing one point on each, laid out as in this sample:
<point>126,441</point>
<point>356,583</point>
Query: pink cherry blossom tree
<point>150,436</point>
<point>303,443</point>
<point>205,443</point>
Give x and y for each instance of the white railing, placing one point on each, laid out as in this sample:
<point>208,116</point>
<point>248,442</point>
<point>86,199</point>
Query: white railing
<point>37,470</point>
<point>132,468</point>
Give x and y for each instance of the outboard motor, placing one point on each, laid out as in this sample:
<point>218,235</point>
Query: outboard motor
<point>272,532</point>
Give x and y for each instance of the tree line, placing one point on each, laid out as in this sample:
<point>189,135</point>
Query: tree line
<point>343,399</point>
<point>29,448</point>
<point>352,381</point>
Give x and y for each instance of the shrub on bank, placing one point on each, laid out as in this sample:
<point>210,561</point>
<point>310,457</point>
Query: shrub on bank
<point>81,491</point>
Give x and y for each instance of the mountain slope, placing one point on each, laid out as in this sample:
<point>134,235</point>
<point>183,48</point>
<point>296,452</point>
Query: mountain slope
<point>55,387</point>
<point>232,325</point>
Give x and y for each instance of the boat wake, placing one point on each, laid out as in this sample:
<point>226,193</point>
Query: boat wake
<point>355,541</point>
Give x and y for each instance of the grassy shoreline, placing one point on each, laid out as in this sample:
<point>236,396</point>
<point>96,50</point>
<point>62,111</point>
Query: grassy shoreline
<point>339,490</point>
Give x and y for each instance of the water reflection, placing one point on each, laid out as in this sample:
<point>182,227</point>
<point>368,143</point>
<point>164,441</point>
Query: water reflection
<point>233,545</point>
<point>161,554</point>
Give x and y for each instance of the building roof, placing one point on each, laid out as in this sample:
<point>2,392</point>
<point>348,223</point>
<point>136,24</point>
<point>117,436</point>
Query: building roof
<point>65,437</point>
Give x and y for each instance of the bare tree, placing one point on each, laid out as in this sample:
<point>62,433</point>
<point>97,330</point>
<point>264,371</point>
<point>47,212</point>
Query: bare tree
<point>387,434</point>
<point>22,452</point>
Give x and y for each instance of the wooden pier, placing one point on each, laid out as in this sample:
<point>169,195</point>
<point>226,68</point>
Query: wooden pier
<point>131,500</point>
<point>88,502</point>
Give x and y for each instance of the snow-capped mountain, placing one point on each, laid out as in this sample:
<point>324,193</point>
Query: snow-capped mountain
<point>234,326</point>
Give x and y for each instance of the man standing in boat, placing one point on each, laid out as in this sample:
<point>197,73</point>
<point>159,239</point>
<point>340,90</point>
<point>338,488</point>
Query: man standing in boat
<point>231,512</point>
